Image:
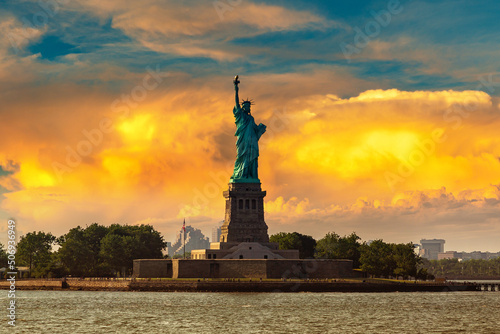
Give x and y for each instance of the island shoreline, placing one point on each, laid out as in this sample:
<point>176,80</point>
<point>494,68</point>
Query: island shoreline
<point>202,285</point>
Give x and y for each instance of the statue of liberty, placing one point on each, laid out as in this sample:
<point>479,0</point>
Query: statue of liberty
<point>248,133</point>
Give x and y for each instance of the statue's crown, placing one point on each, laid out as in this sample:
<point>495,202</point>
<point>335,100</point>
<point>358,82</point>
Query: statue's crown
<point>247,101</point>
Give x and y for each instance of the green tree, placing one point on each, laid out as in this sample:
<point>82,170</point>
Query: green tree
<point>376,258</point>
<point>304,243</point>
<point>333,246</point>
<point>466,268</point>
<point>422,274</point>
<point>34,250</point>
<point>406,261</point>
<point>80,250</point>
<point>383,259</point>
<point>3,256</point>
<point>123,244</point>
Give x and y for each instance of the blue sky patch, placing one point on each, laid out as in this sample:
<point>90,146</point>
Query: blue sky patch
<point>51,47</point>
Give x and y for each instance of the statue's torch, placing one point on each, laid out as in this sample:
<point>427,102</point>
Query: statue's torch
<point>236,81</point>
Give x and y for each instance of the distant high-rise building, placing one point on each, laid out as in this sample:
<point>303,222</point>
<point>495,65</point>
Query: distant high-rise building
<point>416,249</point>
<point>194,240</point>
<point>430,248</point>
<point>216,232</point>
<point>165,250</point>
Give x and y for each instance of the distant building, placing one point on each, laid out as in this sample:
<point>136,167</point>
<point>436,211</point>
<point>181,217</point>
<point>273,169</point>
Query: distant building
<point>476,255</point>
<point>194,240</point>
<point>468,256</point>
<point>416,249</point>
<point>449,255</point>
<point>216,231</point>
<point>430,248</point>
<point>165,251</point>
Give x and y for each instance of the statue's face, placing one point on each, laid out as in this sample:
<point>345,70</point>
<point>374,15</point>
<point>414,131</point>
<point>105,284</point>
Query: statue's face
<point>246,107</point>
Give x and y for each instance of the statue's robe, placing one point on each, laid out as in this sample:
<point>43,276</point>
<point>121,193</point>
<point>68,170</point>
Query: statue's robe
<point>248,133</point>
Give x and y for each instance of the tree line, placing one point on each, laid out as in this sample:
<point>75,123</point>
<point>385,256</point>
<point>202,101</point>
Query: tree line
<point>377,258</point>
<point>100,251</point>
<point>467,269</point>
<point>95,250</point>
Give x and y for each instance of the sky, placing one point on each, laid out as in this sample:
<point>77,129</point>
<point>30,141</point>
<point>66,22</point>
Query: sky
<point>382,116</point>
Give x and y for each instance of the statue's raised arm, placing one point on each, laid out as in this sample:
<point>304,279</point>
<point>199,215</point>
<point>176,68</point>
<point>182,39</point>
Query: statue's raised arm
<point>237,98</point>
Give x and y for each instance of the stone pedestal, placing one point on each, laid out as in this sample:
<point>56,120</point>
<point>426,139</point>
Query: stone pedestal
<point>244,218</point>
<point>244,232</point>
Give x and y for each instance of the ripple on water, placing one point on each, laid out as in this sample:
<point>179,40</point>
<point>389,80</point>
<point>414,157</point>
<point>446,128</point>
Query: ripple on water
<point>133,312</point>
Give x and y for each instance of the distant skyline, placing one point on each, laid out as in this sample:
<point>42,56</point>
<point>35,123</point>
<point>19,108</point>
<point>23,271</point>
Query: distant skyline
<point>382,116</point>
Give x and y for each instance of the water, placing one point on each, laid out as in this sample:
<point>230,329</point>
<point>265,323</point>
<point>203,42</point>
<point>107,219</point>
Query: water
<point>163,312</point>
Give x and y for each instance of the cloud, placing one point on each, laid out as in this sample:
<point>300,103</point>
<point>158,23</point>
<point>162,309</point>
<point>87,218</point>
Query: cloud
<point>17,35</point>
<point>346,148</point>
<point>335,147</point>
<point>15,63</point>
<point>322,160</point>
<point>466,219</point>
<point>201,29</point>
<point>405,49</point>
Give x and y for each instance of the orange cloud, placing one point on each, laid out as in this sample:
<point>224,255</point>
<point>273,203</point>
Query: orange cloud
<point>362,138</point>
<point>323,159</point>
<point>468,219</point>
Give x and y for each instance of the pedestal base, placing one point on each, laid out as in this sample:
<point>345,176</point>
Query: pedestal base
<point>244,217</point>
<point>243,250</point>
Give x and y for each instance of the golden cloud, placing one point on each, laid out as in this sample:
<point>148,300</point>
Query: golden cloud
<point>323,159</point>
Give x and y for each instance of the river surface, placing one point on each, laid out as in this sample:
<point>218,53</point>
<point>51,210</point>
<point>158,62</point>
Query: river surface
<point>170,312</point>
